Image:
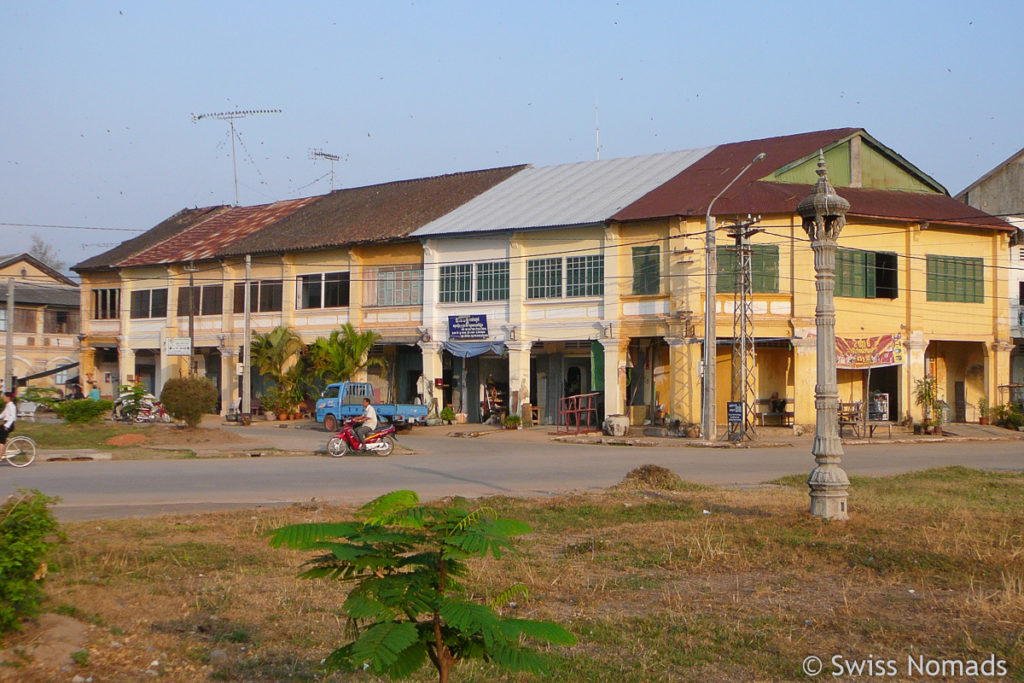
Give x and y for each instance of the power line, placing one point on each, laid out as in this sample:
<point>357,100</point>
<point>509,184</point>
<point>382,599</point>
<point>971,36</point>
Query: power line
<point>72,227</point>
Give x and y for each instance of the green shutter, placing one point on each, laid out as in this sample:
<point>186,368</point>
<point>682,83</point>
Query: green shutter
<point>596,366</point>
<point>727,268</point>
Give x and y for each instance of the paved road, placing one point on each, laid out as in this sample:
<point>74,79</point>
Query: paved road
<point>502,463</point>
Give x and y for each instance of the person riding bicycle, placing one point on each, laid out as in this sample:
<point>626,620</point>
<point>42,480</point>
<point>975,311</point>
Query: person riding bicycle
<point>7,419</point>
<point>366,423</point>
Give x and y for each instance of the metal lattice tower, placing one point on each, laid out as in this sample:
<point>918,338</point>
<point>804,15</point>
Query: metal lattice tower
<point>744,366</point>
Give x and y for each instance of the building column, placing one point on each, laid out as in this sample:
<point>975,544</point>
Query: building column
<point>683,359</point>
<point>614,376</point>
<point>228,378</point>
<point>916,368</point>
<point>998,371</point>
<point>518,374</point>
<point>125,367</point>
<point>433,371</point>
<point>805,369</point>
<point>87,364</point>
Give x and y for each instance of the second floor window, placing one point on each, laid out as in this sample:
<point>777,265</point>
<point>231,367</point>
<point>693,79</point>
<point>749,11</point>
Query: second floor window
<point>323,290</point>
<point>456,284</point>
<point>264,296</point>
<point>149,303</point>
<point>646,270</point>
<point>544,278</point>
<point>399,286</point>
<point>955,278</point>
<point>206,300</point>
<point>60,322</point>
<point>866,274</point>
<point>584,276</point>
<point>492,281</point>
<point>764,268</point>
<point>106,304</point>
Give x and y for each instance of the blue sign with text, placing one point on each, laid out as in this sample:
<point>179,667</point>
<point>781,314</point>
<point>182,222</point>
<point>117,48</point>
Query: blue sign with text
<point>467,327</point>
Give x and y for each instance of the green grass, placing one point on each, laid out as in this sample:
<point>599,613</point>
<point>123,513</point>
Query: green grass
<point>93,435</point>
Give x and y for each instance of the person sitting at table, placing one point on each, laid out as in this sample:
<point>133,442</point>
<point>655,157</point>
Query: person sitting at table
<point>776,404</point>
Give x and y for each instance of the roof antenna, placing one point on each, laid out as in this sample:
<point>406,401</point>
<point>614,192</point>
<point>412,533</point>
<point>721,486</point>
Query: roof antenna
<point>230,117</point>
<point>318,153</point>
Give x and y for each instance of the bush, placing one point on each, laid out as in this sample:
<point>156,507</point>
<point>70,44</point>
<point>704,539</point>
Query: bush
<point>83,409</point>
<point>189,398</point>
<point>47,396</point>
<point>27,531</point>
<point>1008,416</point>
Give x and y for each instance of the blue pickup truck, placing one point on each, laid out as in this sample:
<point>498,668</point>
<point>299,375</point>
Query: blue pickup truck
<point>342,400</point>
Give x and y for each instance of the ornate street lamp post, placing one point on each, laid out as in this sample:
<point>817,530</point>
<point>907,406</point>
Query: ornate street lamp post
<point>824,215</point>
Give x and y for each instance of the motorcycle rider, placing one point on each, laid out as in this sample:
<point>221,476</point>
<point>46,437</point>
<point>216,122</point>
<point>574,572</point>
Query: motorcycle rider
<point>366,423</point>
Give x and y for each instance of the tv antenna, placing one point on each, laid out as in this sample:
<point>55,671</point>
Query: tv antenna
<point>230,117</point>
<point>317,153</point>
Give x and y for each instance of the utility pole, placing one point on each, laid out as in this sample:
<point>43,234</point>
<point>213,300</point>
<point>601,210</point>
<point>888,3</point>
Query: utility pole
<point>709,426</point>
<point>191,269</point>
<point>743,358</point>
<point>247,344</point>
<point>9,343</point>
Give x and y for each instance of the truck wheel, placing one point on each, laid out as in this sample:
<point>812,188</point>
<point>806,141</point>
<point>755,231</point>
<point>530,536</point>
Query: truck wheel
<point>337,447</point>
<point>330,423</point>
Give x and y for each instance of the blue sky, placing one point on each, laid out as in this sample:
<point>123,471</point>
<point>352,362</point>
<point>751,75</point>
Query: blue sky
<point>97,128</point>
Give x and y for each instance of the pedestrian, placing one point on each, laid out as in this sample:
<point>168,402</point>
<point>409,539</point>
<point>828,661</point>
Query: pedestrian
<point>7,419</point>
<point>94,393</point>
<point>76,393</point>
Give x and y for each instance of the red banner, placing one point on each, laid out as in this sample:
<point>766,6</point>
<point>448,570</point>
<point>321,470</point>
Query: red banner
<point>860,353</point>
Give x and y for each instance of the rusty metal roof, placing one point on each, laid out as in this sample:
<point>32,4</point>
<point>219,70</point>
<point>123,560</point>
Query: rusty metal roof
<point>163,231</point>
<point>204,239</point>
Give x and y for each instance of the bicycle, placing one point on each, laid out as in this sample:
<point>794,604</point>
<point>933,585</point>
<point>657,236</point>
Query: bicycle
<point>20,451</point>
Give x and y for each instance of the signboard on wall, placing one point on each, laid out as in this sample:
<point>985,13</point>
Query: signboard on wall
<point>467,327</point>
<point>860,353</point>
<point>177,346</point>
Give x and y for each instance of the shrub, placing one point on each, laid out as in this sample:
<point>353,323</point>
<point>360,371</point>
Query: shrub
<point>27,531</point>
<point>1008,416</point>
<point>189,398</point>
<point>407,561</point>
<point>47,396</point>
<point>447,414</point>
<point>511,422</point>
<point>83,409</point>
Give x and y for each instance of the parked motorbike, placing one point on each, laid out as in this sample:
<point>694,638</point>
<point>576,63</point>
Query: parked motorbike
<point>149,409</point>
<point>380,442</point>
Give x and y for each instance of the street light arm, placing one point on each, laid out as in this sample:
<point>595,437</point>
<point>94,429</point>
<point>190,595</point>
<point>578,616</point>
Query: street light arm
<point>753,161</point>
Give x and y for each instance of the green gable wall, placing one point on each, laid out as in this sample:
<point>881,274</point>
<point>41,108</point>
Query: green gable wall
<point>837,160</point>
<point>878,170</point>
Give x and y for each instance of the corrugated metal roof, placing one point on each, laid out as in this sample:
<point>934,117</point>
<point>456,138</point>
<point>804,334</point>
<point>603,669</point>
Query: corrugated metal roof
<point>204,240</point>
<point>581,193</point>
<point>52,295</point>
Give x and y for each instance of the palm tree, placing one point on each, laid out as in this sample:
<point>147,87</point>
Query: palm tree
<point>272,354</point>
<point>346,351</point>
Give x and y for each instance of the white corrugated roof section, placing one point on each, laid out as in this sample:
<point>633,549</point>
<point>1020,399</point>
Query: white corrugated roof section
<point>582,193</point>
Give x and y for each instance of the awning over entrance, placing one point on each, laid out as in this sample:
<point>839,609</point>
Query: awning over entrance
<point>466,349</point>
<point>46,373</point>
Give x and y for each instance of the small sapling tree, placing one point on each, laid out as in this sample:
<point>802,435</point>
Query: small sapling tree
<point>27,531</point>
<point>406,561</point>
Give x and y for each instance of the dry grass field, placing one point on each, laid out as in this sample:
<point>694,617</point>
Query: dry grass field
<point>658,579</point>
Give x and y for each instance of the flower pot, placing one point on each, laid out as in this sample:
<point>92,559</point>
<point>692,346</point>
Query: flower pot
<point>983,420</point>
<point>282,416</point>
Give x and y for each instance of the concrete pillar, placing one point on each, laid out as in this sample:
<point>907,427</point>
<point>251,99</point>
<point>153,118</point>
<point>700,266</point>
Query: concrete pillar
<point>228,378</point>
<point>684,383</point>
<point>518,373</point>
<point>999,370</point>
<point>433,371</point>
<point>87,365</point>
<point>125,367</point>
<point>614,376</point>
<point>804,372</point>
<point>915,370</point>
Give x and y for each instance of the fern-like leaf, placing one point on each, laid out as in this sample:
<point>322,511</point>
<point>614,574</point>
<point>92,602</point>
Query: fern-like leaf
<point>519,658</point>
<point>408,661</point>
<point>382,643</point>
<point>305,536</point>
<point>541,631</point>
<point>380,509</point>
<point>503,598</point>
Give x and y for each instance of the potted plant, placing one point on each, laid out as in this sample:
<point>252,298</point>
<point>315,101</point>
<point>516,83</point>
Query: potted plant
<point>447,414</point>
<point>983,411</point>
<point>512,422</point>
<point>925,395</point>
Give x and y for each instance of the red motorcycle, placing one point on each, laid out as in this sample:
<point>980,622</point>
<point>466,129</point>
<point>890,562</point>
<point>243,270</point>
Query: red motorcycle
<point>381,441</point>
